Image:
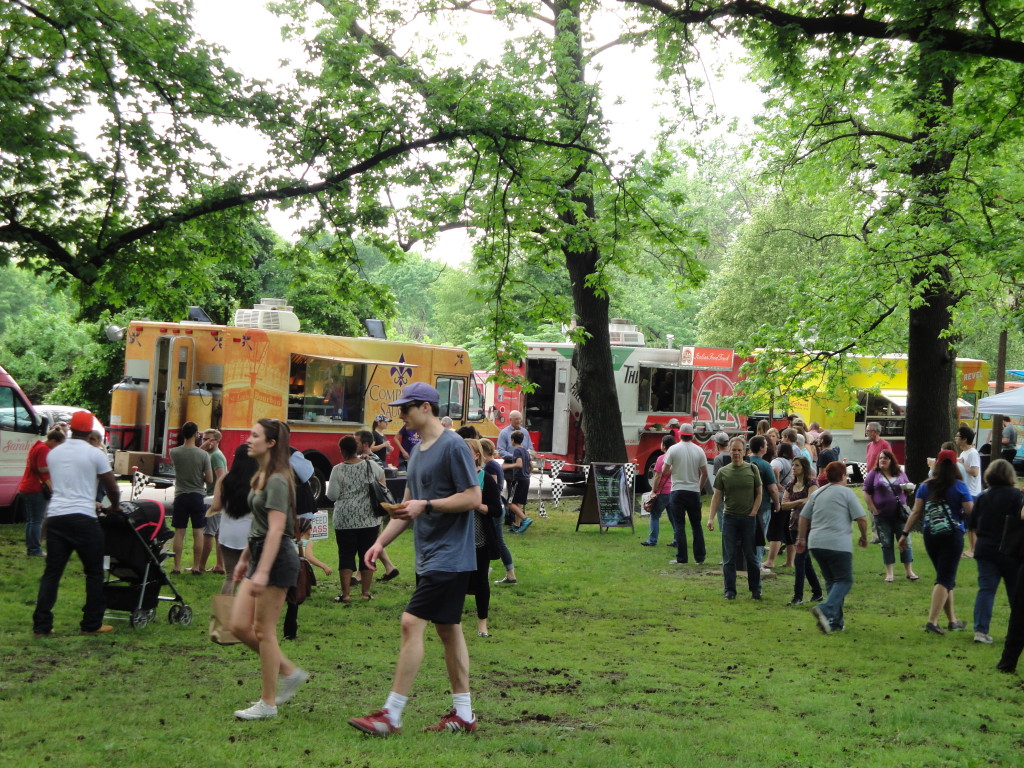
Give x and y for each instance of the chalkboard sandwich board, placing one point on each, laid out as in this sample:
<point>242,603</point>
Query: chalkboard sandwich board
<point>607,498</point>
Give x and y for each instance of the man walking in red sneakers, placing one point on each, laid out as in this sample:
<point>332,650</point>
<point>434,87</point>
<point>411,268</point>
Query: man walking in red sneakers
<point>441,495</point>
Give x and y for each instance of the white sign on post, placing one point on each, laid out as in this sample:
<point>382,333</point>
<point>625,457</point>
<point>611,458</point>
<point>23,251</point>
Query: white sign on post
<point>321,522</point>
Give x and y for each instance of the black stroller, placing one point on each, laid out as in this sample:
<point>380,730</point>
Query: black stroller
<point>135,542</point>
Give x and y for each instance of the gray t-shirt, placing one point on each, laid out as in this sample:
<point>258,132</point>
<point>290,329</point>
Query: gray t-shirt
<point>190,464</point>
<point>444,541</point>
<point>277,494</point>
<point>831,510</point>
<point>1010,434</point>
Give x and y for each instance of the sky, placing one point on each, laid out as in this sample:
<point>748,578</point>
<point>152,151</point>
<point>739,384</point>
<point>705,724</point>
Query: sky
<point>251,35</point>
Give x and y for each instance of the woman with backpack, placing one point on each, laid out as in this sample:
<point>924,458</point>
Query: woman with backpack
<point>942,502</point>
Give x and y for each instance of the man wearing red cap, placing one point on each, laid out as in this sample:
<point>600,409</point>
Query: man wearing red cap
<point>689,469</point>
<point>72,526</point>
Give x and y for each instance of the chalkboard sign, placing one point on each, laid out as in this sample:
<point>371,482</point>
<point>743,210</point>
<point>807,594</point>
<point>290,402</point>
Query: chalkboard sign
<point>608,498</point>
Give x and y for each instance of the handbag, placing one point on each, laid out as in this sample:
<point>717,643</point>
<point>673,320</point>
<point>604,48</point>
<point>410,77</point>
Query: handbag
<point>647,501</point>
<point>379,494</point>
<point>220,620</point>
<point>304,584</point>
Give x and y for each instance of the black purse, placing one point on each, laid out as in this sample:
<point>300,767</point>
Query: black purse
<point>379,495</point>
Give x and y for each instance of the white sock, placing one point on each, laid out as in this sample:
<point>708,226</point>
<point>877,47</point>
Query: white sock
<point>394,705</point>
<point>463,707</point>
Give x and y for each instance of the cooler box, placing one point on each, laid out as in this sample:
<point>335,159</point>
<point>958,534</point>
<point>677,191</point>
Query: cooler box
<point>125,460</point>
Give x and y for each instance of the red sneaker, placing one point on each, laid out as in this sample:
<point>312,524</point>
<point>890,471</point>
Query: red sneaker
<point>376,724</point>
<point>452,723</point>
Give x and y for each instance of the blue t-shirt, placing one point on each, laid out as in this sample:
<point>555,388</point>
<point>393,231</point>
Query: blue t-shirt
<point>444,541</point>
<point>767,478</point>
<point>523,472</point>
<point>956,495</point>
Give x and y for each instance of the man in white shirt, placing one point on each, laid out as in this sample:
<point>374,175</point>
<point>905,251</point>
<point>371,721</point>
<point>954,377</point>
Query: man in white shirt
<point>689,468</point>
<point>970,459</point>
<point>72,526</point>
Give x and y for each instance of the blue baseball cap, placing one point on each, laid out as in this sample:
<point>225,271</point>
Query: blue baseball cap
<point>417,392</point>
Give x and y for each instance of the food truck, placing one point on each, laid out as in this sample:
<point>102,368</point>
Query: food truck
<point>878,387</point>
<point>262,366</point>
<point>654,386</point>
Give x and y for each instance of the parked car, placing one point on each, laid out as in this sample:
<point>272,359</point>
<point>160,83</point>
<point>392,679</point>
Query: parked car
<point>61,414</point>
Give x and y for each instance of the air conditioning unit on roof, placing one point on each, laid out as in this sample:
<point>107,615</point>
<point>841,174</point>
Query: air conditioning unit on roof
<point>622,333</point>
<point>268,315</point>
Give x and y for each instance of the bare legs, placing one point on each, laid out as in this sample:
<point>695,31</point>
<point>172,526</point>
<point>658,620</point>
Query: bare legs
<point>254,622</point>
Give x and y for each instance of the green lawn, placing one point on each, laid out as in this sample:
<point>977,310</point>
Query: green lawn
<point>602,655</point>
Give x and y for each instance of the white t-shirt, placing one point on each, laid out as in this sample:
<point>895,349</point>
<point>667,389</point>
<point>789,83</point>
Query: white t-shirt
<point>74,467</point>
<point>684,460</point>
<point>971,458</point>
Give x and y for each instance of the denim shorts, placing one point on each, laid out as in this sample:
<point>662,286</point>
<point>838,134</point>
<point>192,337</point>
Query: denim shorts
<point>285,570</point>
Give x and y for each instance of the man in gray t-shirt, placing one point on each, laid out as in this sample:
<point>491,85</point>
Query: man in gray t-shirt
<point>192,471</point>
<point>442,495</point>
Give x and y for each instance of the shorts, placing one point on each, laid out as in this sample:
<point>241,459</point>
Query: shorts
<point>189,507</point>
<point>352,542</point>
<point>439,597</point>
<point>213,525</point>
<point>285,570</point>
<point>520,490</point>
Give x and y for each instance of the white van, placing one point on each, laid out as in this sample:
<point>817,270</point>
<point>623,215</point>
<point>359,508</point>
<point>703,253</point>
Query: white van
<point>20,427</point>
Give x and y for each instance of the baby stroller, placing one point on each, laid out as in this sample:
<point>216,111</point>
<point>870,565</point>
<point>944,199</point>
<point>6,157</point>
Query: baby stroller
<point>135,541</point>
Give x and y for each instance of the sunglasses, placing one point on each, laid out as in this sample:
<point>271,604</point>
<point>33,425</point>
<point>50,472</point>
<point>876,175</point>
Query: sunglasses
<point>404,409</point>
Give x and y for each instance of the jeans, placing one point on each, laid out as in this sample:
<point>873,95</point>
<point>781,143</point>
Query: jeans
<point>804,565</point>
<point>764,517</point>
<point>35,511</point>
<point>993,565</point>
<point>738,534</point>
<point>660,505</point>
<point>685,504</point>
<point>837,568</point>
<point>506,556</point>
<point>82,535</point>
<point>889,531</point>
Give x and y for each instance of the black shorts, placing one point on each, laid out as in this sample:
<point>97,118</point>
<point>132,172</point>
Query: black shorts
<point>520,490</point>
<point>189,507</point>
<point>285,570</point>
<point>439,597</point>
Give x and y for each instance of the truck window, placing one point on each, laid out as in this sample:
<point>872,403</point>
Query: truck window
<point>14,413</point>
<point>325,390</point>
<point>476,402</point>
<point>668,390</point>
<point>452,391</point>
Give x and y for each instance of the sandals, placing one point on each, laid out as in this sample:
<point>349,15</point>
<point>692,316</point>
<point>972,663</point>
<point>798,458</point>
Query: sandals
<point>483,634</point>
<point>367,596</point>
<point>888,579</point>
<point>342,599</point>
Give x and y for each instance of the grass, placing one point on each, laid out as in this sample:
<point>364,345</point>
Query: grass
<point>602,655</point>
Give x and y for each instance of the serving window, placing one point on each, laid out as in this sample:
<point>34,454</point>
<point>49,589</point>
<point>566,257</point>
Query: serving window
<point>324,389</point>
<point>665,389</point>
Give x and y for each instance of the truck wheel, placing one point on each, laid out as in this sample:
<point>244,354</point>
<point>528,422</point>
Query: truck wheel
<point>643,480</point>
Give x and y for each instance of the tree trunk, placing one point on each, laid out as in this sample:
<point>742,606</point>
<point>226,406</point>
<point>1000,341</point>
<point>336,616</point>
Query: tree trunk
<point>931,381</point>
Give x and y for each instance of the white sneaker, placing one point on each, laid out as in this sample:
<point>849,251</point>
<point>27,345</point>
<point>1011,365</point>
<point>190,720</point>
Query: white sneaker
<point>981,637</point>
<point>258,711</point>
<point>288,685</point>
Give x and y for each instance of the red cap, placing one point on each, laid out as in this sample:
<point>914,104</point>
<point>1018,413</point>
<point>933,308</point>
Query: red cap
<point>949,456</point>
<point>81,421</point>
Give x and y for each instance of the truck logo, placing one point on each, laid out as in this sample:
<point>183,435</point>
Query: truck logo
<point>133,336</point>
<point>706,401</point>
<point>401,374</point>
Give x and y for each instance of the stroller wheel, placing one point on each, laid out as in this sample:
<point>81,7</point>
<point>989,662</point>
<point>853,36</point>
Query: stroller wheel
<point>180,614</point>
<point>140,618</point>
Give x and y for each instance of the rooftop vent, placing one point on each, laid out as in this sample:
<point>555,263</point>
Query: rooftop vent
<point>268,315</point>
<point>622,333</point>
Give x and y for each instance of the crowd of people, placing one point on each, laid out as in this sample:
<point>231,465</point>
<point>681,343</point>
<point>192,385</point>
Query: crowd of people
<point>767,500</point>
<point>780,494</point>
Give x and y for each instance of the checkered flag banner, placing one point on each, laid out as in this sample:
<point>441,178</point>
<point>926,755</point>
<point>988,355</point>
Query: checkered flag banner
<point>630,473</point>
<point>557,486</point>
<point>586,471</point>
<point>139,481</point>
<point>556,468</point>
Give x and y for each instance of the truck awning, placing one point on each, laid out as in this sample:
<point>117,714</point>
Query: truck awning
<point>359,360</point>
<point>899,397</point>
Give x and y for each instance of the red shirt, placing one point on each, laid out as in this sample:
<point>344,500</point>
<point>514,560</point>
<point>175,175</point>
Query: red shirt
<point>32,480</point>
<point>874,449</point>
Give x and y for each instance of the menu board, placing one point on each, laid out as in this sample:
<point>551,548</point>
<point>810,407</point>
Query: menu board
<point>608,497</point>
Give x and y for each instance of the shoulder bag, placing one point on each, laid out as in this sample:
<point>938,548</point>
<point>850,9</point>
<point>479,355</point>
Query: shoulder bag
<point>379,494</point>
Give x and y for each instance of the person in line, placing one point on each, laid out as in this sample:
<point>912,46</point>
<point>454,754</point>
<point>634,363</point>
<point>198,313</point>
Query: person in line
<point>970,464</point>
<point>355,524</point>
<point>365,440</point>
<point>493,467</point>
<point>35,489</point>
<point>779,535</point>
<point>1008,439</point>
<point>520,465</point>
<point>231,503</point>
<point>885,492</point>
<point>515,424</point>
<point>268,567</point>
<point>406,440</point>
<point>793,501</point>
<point>739,485</point>
<point>381,445</point>
<point>661,488</point>
<point>484,536</point>
<point>944,502</point>
<point>827,453</point>
<point>827,515</point>
<point>1014,643</point>
<point>988,519</point>
<point>440,498</point>
<point>211,531</point>
<point>770,501</point>
<point>722,459</point>
<point>192,471</point>
<point>305,547</point>
<point>72,526</point>
<point>688,467</point>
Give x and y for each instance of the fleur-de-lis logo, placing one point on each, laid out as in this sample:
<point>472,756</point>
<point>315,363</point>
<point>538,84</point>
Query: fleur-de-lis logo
<point>458,359</point>
<point>133,336</point>
<point>181,388</point>
<point>247,343</point>
<point>218,343</point>
<point>400,373</point>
